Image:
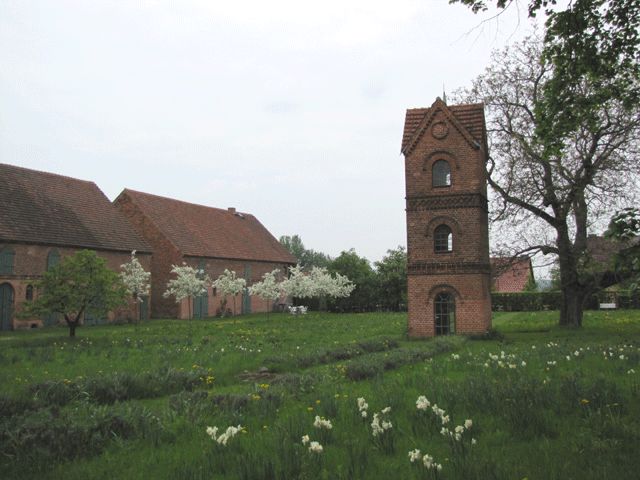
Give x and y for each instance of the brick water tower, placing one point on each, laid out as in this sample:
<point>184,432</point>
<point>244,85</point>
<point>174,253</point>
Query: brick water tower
<point>445,150</point>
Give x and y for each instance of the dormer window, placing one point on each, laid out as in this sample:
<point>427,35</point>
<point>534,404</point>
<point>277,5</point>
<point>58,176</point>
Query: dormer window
<point>441,174</point>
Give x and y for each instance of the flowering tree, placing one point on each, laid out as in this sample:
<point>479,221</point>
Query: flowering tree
<point>189,283</point>
<point>298,284</point>
<point>327,285</point>
<point>135,280</point>
<point>229,284</point>
<point>268,289</point>
<point>317,283</point>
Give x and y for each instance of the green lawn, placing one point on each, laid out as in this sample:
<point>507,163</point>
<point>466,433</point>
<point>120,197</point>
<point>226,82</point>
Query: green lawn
<point>135,402</point>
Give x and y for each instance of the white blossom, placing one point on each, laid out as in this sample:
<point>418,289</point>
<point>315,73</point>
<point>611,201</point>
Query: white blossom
<point>305,439</point>
<point>468,423</point>
<point>315,447</point>
<point>188,283</point>
<point>322,423</point>
<point>229,433</point>
<point>135,278</point>
<point>422,403</point>
<point>414,455</point>
<point>229,284</point>
<point>268,288</point>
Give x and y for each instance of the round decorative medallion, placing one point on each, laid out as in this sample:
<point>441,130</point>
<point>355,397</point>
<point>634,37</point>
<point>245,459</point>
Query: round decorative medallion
<point>439,130</point>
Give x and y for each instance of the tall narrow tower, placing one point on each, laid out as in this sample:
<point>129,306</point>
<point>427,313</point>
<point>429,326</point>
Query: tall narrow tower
<point>445,151</point>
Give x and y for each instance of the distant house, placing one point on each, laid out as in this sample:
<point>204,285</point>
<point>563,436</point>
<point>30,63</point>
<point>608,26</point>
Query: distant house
<point>206,238</point>
<point>510,275</point>
<point>45,217</point>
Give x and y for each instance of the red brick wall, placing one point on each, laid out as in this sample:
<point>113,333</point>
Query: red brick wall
<point>165,254</point>
<point>214,267</point>
<point>471,293</point>
<point>464,271</point>
<point>30,263</point>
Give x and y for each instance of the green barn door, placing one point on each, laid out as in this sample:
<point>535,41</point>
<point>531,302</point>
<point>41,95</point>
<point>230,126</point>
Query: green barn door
<point>144,307</point>
<point>6,306</point>
<point>246,298</point>
<point>201,306</point>
<point>53,259</point>
<point>201,302</point>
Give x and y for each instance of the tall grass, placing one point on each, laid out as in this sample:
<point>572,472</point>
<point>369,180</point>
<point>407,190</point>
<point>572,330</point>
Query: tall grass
<point>129,403</point>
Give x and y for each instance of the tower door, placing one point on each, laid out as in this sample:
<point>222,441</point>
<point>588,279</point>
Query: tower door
<point>445,314</point>
<point>6,306</point>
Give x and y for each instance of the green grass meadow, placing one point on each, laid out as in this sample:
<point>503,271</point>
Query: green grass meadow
<point>126,401</point>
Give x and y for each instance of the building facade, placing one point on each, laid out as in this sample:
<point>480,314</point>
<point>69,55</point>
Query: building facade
<point>45,218</point>
<point>206,238</point>
<point>449,275</point>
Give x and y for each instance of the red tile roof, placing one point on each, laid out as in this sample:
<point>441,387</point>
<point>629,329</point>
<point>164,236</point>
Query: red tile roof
<point>470,116</point>
<point>44,208</point>
<point>201,231</point>
<point>509,274</point>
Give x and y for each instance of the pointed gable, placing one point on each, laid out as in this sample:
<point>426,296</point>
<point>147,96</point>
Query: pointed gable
<point>201,231</point>
<point>44,208</point>
<point>468,119</point>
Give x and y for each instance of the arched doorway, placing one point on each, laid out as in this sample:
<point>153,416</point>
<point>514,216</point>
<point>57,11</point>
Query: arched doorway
<point>444,307</point>
<point>6,306</point>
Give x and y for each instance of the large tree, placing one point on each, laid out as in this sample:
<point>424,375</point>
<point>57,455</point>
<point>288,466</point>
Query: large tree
<point>551,189</point>
<point>358,270</point>
<point>306,257</point>
<point>391,274</point>
<point>80,285</point>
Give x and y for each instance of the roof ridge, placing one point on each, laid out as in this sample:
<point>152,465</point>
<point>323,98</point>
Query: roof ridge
<point>180,201</point>
<point>51,174</point>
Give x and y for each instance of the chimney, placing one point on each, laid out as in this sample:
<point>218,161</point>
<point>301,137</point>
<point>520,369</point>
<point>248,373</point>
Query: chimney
<point>232,209</point>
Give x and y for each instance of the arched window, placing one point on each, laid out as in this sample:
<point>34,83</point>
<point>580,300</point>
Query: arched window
<point>53,259</point>
<point>441,174</point>
<point>445,314</point>
<point>443,239</point>
<point>29,293</point>
<point>6,261</point>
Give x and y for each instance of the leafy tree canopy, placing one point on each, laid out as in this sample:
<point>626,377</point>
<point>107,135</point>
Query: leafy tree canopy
<point>81,284</point>
<point>307,258</point>
<point>391,274</point>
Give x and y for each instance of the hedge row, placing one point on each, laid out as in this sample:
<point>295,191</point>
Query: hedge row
<point>535,301</point>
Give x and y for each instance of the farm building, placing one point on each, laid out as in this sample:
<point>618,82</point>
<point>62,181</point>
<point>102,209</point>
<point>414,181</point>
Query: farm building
<point>511,275</point>
<point>207,238</point>
<point>45,217</point>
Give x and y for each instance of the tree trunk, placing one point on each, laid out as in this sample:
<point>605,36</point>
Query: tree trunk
<point>573,293</point>
<point>72,327</point>
<point>73,324</point>
<point>572,307</point>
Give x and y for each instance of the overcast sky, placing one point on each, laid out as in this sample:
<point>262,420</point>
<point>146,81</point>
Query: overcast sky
<point>290,110</point>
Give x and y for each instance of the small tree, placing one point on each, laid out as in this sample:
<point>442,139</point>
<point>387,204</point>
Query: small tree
<point>298,284</point>
<point>189,283</point>
<point>268,289</point>
<point>318,283</point>
<point>323,284</point>
<point>136,280</point>
<point>229,284</point>
<point>81,284</point>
